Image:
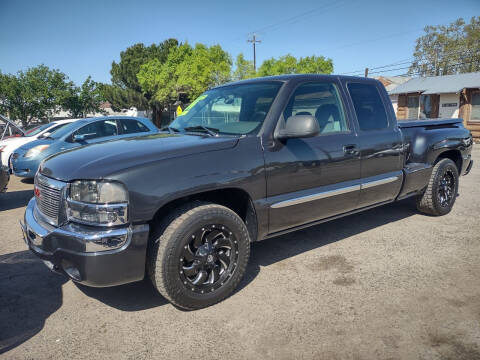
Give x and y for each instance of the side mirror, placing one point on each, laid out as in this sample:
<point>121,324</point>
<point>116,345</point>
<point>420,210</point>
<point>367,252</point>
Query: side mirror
<point>45,135</point>
<point>299,126</point>
<point>82,137</point>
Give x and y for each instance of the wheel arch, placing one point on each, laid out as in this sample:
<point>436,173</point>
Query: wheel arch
<point>454,155</point>
<point>236,199</point>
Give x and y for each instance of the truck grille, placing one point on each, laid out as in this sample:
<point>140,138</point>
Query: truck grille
<point>48,193</point>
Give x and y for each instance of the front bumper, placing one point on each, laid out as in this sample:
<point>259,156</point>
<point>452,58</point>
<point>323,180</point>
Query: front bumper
<point>24,168</point>
<point>63,250</point>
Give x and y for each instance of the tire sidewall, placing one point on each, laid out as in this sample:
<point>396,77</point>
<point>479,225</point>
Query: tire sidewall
<point>446,165</point>
<point>222,216</point>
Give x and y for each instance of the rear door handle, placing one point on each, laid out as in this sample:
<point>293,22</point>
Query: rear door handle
<point>350,149</point>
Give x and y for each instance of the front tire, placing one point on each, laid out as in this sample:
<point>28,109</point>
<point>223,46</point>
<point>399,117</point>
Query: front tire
<point>199,255</point>
<point>442,189</point>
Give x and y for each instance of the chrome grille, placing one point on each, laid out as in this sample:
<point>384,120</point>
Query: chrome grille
<point>48,193</point>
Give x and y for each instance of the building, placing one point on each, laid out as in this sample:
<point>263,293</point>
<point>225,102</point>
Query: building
<point>390,83</point>
<point>448,96</point>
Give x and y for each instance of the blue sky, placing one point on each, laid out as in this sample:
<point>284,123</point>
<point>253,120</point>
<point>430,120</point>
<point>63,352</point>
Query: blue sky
<point>82,38</point>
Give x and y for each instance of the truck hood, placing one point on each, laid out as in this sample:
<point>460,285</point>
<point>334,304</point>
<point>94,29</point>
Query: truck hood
<point>98,161</point>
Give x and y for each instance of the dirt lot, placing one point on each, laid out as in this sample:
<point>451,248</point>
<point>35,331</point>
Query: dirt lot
<point>385,284</point>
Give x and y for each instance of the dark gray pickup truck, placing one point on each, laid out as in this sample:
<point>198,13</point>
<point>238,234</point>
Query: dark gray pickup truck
<point>245,161</point>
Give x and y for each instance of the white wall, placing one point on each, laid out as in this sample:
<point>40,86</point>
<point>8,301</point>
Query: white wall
<point>449,111</point>
<point>394,100</point>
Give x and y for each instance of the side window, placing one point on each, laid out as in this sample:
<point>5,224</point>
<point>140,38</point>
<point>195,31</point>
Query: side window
<point>99,129</point>
<point>321,100</point>
<point>132,126</point>
<point>368,105</point>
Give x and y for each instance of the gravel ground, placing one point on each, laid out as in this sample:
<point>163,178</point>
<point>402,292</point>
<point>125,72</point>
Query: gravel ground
<point>388,283</point>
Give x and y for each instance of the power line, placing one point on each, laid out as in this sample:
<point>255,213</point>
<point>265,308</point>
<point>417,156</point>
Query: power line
<point>254,41</point>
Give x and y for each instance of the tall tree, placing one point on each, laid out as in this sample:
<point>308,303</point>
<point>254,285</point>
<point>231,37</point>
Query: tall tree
<point>187,70</point>
<point>84,99</point>
<point>125,90</point>
<point>34,93</point>
<point>448,49</point>
<point>243,68</point>
<point>288,64</point>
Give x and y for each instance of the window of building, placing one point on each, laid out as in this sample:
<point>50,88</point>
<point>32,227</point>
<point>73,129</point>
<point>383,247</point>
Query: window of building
<point>475,114</point>
<point>321,100</point>
<point>368,105</point>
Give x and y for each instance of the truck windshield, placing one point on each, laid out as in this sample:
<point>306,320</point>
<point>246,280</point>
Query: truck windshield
<point>235,109</point>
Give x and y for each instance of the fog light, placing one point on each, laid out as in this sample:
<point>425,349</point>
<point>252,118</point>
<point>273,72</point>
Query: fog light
<point>107,243</point>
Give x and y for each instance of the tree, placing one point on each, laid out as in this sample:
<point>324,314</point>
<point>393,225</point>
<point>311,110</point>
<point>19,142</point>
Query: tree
<point>448,49</point>
<point>243,68</point>
<point>187,70</point>
<point>34,93</point>
<point>84,99</point>
<point>288,64</point>
<point>125,90</point>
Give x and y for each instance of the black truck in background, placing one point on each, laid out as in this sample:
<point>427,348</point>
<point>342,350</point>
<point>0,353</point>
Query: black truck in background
<point>246,161</point>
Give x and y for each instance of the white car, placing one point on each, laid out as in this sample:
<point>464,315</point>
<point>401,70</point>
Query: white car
<point>7,146</point>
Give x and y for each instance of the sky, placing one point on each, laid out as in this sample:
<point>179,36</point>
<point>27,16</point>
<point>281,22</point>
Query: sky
<point>83,37</point>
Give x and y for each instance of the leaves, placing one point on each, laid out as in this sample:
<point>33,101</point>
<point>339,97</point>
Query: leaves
<point>83,100</point>
<point>445,50</point>
<point>288,64</point>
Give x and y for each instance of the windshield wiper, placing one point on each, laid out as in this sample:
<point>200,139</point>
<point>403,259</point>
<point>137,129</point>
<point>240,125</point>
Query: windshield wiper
<point>209,130</point>
<point>170,129</point>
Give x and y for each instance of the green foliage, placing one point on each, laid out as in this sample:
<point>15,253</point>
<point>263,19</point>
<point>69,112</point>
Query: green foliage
<point>186,70</point>
<point>34,93</point>
<point>125,90</point>
<point>445,50</point>
<point>243,68</point>
<point>288,64</point>
<point>84,99</point>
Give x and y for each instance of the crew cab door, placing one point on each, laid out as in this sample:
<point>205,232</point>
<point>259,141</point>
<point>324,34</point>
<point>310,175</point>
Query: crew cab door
<point>379,142</point>
<point>318,177</point>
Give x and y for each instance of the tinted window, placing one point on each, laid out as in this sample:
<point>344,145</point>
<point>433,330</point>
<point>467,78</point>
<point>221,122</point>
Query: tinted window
<point>34,131</point>
<point>99,129</point>
<point>369,107</point>
<point>132,126</point>
<point>322,101</point>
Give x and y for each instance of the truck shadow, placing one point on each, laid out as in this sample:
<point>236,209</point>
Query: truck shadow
<point>142,295</point>
<point>29,294</point>
<point>15,199</point>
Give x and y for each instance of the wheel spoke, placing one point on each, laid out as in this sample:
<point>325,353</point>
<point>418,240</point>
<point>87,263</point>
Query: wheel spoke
<point>223,243</point>
<point>214,275</point>
<point>201,277</point>
<point>198,240</point>
<point>213,235</point>
<point>188,254</point>
<point>224,259</point>
<point>190,271</point>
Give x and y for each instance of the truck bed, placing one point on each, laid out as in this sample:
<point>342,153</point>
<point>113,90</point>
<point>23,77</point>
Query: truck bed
<point>423,123</point>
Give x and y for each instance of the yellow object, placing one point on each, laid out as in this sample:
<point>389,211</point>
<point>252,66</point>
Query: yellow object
<point>201,97</point>
<point>179,110</point>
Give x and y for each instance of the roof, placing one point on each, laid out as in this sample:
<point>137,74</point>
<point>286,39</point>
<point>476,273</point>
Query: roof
<point>391,82</point>
<point>439,84</point>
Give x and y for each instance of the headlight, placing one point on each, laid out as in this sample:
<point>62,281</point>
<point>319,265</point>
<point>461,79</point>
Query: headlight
<point>98,203</point>
<point>35,150</point>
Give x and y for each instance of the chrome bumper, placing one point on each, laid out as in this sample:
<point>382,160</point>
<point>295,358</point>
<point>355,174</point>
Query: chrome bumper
<point>64,249</point>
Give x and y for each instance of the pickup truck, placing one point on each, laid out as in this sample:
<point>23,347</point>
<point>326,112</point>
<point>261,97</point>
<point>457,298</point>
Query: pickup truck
<point>246,161</point>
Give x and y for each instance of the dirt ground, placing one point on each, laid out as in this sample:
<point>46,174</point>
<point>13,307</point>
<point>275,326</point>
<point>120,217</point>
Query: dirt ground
<point>389,283</point>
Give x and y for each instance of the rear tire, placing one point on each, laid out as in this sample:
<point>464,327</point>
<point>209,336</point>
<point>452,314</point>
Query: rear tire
<point>198,255</point>
<point>442,189</point>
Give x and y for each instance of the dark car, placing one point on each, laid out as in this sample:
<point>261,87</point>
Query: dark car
<point>26,159</point>
<point>245,162</point>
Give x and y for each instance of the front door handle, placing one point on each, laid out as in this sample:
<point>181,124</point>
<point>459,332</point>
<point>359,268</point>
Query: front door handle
<point>350,149</point>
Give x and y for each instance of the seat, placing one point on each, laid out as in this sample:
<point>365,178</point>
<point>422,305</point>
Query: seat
<point>328,118</point>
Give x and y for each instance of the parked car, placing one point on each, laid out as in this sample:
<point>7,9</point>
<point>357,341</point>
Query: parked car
<point>8,145</point>
<point>246,161</point>
<point>4,178</point>
<point>26,159</point>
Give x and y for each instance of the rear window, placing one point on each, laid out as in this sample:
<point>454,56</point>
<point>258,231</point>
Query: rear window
<point>368,105</point>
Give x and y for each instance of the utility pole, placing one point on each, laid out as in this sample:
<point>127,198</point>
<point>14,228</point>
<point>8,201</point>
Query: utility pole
<point>254,41</point>
<point>366,72</point>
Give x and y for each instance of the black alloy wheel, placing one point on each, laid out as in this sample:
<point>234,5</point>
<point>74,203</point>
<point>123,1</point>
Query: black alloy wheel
<point>446,188</point>
<point>209,258</point>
